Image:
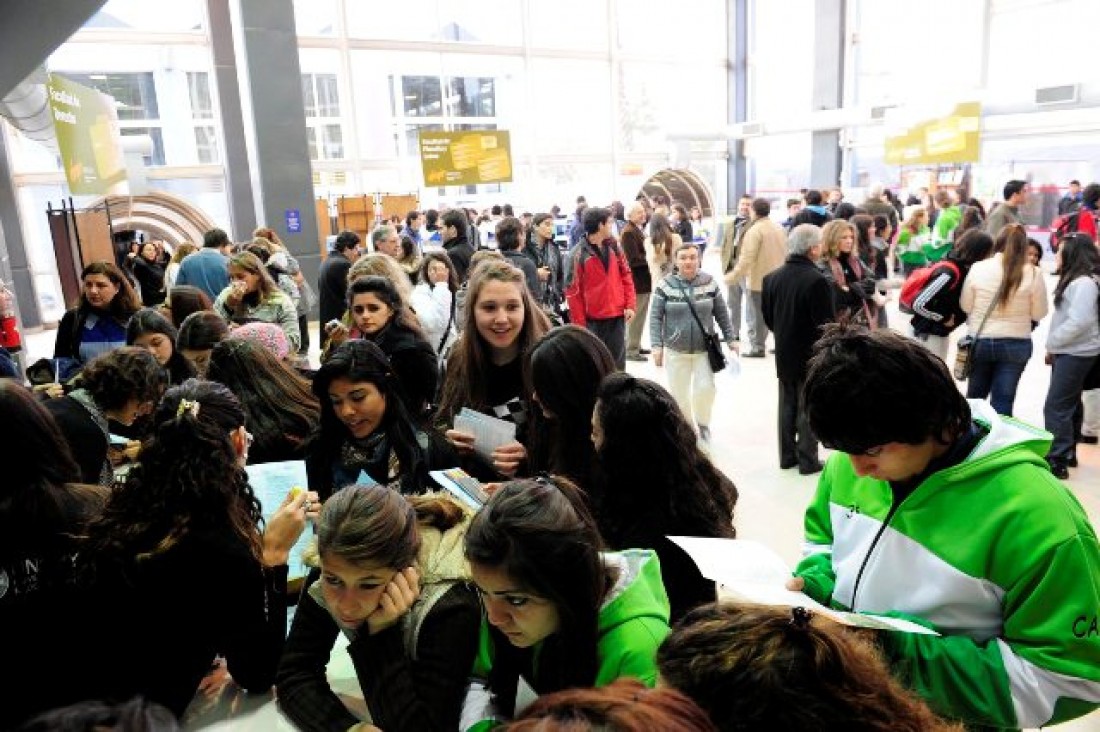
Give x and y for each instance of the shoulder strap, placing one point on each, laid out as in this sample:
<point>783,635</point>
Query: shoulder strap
<point>691,306</point>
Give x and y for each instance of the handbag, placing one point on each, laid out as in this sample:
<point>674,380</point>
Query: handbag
<point>964,350</point>
<point>715,357</point>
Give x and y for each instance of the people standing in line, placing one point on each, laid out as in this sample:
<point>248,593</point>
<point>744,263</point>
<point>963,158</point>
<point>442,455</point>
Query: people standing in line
<point>601,296</point>
<point>254,296</point>
<point>394,582</point>
<point>97,324</point>
<point>149,274</point>
<point>559,611</point>
<point>332,280</point>
<point>945,495</point>
<point>208,269</point>
<point>633,243</point>
<point>485,370</point>
<point>731,252</point>
<point>43,509</point>
<point>456,242</point>
<point>656,482</point>
<point>433,300</point>
<point>763,249</point>
<point>936,310</point>
<point>179,567</point>
<point>796,303</point>
<point>1015,195</point>
<point>544,252</point>
<point>852,280</point>
<point>686,305</point>
<point>120,386</point>
<point>511,243</point>
<point>1004,298</point>
<point>1073,345</point>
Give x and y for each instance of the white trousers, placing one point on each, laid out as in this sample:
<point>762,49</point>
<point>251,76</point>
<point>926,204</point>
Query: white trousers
<point>692,385</point>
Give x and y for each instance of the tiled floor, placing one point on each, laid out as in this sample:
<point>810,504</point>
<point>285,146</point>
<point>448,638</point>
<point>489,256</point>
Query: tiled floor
<point>772,501</point>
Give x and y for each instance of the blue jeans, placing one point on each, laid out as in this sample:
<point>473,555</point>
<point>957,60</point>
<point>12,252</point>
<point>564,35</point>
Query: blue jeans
<point>1066,380</point>
<point>998,365</point>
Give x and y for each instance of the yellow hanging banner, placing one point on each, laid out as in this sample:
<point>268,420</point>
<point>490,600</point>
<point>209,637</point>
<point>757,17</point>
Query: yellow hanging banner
<point>466,158</point>
<point>955,138</point>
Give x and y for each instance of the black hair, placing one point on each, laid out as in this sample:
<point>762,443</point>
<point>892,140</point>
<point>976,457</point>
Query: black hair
<point>593,218</point>
<point>458,219</point>
<point>183,300</point>
<point>385,290</point>
<point>853,366</point>
<point>845,210</point>
<point>281,411</point>
<point>1013,187</point>
<point>431,217</point>
<point>346,240</point>
<point>215,239</point>
<point>136,715</point>
<point>202,331</point>
<point>657,480</point>
<point>762,207</point>
<point>496,210</point>
<point>1080,258</point>
<point>508,233</point>
<point>361,361</point>
<point>410,217</point>
<point>973,246</point>
<point>442,257</point>
<point>564,369</point>
<point>148,320</point>
<point>1091,194</point>
<point>541,534</point>
<point>188,477</point>
<point>813,197</point>
<point>125,373</point>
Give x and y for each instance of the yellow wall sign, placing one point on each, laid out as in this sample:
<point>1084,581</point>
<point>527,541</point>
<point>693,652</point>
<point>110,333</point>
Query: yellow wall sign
<point>955,138</point>
<point>466,158</point>
<point>88,137</point>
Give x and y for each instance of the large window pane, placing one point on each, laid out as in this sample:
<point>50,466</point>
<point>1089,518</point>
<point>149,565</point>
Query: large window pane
<point>328,96</point>
<point>206,144</point>
<point>471,97</point>
<point>157,156</point>
<point>134,94</point>
<point>574,24</point>
<point>422,95</point>
<point>1015,30</point>
<point>656,28</point>
<point>178,16</point>
<point>202,105</point>
<point>494,22</point>
<point>781,59</point>
<point>583,124</point>
<point>416,20</point>
<point>316,17</point>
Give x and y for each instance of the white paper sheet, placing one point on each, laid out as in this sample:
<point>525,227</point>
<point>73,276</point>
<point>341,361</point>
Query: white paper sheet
<point>489,432</point>
<point>271,482</point>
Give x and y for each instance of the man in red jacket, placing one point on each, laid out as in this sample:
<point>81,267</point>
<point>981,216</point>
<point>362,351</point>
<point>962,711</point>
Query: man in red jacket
<point>602,297</point>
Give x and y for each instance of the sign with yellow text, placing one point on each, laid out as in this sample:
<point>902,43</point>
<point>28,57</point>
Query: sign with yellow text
<point>466,158</point>
<point>954,138</point>
<point>87,135</point>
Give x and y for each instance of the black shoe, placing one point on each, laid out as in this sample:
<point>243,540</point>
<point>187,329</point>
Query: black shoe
<point>1071,462</point>
<point>753,354</point>
<point>787,464</point>
<point>644,351</point>
<point>1059,470</point>
<point>637,357</point>
<point>810,469</point>
<point>1088,439</point>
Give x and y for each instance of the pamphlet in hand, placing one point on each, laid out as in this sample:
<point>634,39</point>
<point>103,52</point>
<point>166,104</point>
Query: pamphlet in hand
<point>271,482</point>
<point>489,432</point>
<point>750,571</point>
<point>462,486</point>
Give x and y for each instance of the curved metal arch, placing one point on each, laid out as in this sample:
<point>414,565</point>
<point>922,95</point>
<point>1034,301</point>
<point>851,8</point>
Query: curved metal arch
<point>163,215</point>
<point>682,186</point>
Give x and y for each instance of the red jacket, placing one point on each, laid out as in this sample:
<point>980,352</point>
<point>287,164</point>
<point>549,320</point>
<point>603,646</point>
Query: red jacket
<point>599,292</point>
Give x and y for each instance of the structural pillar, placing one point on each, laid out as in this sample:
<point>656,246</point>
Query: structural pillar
<point>826,156</point>
<point>737,33</point>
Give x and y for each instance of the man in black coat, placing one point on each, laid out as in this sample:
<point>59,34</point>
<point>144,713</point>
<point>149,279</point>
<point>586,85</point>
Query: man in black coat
<point>456,241</point>
<point>797,301</point>
<point>332,280</point>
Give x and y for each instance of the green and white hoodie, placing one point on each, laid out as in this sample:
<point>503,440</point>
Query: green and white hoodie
<point>633,621</point>
<point>995,554</point>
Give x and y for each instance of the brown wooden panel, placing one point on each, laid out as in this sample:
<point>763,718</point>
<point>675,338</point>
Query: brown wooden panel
<point>399,203</point>
<point>93,229</point>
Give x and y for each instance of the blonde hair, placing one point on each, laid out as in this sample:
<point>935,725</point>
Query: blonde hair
<point>383,265</point>
<point>182,251</point>
<point>832,233</point>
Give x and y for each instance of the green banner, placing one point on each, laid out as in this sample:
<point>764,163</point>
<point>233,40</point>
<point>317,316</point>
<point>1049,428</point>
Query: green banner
<point>87,135</point>
<point>955,138</point>
<point>466,158</point>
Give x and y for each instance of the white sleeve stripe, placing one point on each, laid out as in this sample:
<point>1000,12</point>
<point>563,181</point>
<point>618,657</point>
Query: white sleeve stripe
<point>930,291</point>
<point>809,548</point>
<point>1036,690</point>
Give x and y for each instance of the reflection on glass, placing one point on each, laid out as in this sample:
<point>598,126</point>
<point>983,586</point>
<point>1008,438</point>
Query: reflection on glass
<point>206,144</point>
<point>471,97</point>
<point>135,94</point>
<point>316,17</point>
<point>422,95</point>
<point>320,95</point>
<point>157,156</point>
<point>178,16</point>
<point>198,84</point>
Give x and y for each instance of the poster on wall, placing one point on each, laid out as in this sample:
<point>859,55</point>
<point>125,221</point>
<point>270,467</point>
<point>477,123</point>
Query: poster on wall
<point>466,158</point>
<point>88,136</point>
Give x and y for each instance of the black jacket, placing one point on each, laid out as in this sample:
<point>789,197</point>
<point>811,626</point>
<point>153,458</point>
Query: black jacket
<point>151,279</point>
<point>526,265</point>
<point>332,288</point>
<point>797,302</point>
<point>86,440</point>
<point>415,364</point>
<point>460,251</point>
<point>938,302</point>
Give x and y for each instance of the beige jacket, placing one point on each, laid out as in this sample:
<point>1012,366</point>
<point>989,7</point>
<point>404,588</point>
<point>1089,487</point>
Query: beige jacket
<point>661,266</point>
<point>763,250</point>
<point>1027,304</point>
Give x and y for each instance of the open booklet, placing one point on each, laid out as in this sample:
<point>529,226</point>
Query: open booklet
<point>462,486</point>
<point>750,571</point>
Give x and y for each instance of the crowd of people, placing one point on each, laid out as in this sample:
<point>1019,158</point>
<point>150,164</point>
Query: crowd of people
<point>561,602</point>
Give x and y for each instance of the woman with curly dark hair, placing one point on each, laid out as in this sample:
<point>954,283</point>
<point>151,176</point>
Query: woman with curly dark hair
<point>281,411</point>
<point>179,567</point>
<point>657,482</point>
<point>98,322</point>
<point>365,427</point>
<point>754,667</point>
<point>120,386</point>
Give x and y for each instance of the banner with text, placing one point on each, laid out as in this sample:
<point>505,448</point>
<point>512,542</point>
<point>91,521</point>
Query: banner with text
<point>88,136</point>
<point>952,138</point>
<point>466,158</point>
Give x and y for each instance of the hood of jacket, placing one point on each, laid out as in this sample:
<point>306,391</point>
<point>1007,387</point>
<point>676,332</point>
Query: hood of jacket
<point>638,591</point>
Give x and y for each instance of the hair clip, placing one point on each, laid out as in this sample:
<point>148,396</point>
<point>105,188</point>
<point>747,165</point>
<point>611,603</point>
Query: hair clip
<point>186,405</point>
<point>801,617</point>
